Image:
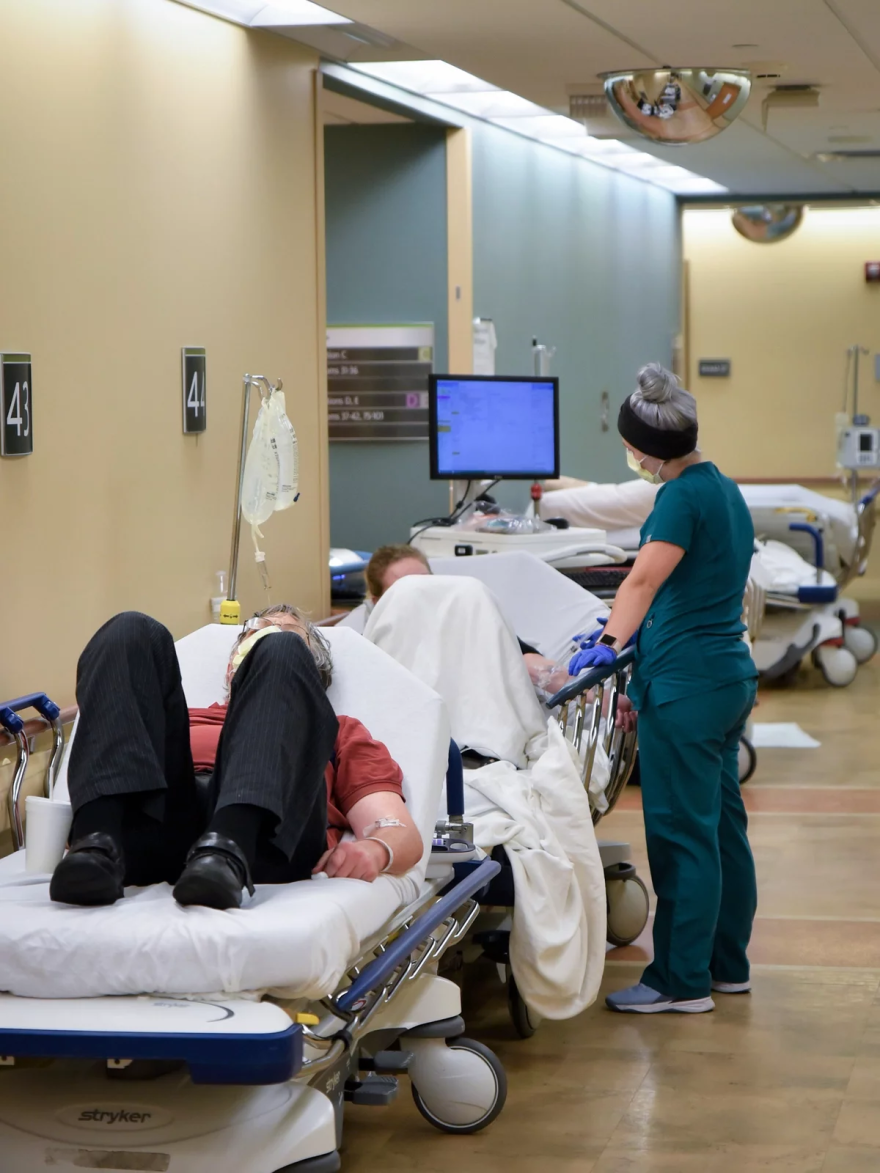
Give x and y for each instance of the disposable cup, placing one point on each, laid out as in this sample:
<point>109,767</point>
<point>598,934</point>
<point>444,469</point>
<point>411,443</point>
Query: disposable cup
<point>46,829</point>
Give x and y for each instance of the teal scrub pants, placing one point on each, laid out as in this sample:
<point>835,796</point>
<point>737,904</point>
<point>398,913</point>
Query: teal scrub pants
<point>701,863</point>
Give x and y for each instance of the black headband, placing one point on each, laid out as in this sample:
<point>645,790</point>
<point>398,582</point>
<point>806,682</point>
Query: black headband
<point>663,443</point>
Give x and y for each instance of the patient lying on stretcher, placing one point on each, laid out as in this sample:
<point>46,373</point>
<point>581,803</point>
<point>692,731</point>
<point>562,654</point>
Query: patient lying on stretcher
<point>259,790</point>
<point>391,563</point>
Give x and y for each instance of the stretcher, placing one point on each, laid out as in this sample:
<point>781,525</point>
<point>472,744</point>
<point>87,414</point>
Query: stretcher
<point>149,1036</point>
<point>546,609</point>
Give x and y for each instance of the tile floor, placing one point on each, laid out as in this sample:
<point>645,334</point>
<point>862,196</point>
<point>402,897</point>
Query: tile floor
<point>786,1079</point>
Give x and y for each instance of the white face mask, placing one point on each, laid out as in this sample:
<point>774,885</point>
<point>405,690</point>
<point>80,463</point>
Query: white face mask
<point>653,478</point>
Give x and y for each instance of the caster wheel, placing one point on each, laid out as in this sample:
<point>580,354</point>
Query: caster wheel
<point>458,1086</point>
<point>861,641</point>
<point>525,1020</point>
<point>748,760</point>
<point>837,665</point>
<point>628,908</point>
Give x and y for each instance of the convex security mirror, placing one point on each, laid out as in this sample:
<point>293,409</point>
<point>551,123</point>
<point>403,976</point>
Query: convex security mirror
<point>767,223</point>
<point>676,107</point>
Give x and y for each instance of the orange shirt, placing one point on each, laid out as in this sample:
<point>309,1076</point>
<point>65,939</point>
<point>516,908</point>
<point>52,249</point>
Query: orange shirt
<point>360,764</point>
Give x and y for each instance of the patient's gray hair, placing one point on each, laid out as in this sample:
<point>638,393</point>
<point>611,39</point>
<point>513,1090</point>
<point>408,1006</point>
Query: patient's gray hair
<point>661,401</point>
<point>316,642</point>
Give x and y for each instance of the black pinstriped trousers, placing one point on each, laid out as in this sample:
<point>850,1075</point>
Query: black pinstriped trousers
<point>133,739</point>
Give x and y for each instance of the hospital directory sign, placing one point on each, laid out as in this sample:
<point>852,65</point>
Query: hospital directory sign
<point>377,381</point>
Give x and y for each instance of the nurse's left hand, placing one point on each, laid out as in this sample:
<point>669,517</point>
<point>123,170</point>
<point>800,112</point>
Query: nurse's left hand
<point>599,654</point>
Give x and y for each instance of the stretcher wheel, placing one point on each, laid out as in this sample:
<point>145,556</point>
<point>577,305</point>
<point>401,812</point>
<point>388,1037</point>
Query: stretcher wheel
<point>628,908</point>
<point>837,665</point>
<point>459,1086</point>
<point>748,760</point>
<point>861,641</point>
<point>525,1020</point>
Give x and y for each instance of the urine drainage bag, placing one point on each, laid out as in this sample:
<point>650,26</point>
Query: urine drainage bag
<point>271,470</point>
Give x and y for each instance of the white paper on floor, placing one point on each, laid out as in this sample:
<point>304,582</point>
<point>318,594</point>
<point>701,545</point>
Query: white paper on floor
<point>781,735</point>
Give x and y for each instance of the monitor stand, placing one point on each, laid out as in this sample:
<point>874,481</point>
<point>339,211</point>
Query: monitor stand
<point>459,492</point>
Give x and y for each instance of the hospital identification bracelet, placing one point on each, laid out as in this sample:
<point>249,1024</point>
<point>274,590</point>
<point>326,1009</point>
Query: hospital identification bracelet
<point>388,866</point>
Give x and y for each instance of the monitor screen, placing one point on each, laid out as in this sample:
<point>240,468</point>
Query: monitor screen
<point>486,426</point>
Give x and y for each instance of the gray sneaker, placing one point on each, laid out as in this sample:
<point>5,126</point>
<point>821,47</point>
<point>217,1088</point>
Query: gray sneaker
<point>641,999</point>
<point>732,987</point>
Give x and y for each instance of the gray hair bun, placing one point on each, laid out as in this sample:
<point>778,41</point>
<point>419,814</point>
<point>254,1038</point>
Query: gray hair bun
<point>656,384</point>
<point>661,401</point>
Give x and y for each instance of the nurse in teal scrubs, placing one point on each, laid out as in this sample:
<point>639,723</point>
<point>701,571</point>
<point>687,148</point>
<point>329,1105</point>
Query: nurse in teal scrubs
<point>693,686</point>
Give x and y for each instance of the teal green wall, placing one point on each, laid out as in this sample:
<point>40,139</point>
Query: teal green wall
<point>586,259</point>
<point>386,262</point>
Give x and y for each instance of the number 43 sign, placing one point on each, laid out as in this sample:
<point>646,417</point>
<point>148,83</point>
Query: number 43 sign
<point>16,405</point>
<point>193,367</point>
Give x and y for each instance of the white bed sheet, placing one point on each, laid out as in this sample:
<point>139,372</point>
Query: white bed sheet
<point>296,939</point>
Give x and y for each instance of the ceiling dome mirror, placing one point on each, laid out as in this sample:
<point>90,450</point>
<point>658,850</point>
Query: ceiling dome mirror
<point>767,223</point>
<point>675,107</point>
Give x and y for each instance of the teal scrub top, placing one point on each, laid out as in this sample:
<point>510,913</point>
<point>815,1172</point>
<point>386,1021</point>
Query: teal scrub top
<point>691,639</point>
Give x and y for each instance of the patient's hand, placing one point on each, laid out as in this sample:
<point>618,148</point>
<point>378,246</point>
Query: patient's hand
<point>546,674</point>
<point>360,859</point>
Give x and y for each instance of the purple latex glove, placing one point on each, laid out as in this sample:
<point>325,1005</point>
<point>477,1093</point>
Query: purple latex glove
<point>591,658</point>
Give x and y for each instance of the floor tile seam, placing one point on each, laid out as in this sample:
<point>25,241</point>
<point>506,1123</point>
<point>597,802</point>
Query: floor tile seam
<point>806,916</point>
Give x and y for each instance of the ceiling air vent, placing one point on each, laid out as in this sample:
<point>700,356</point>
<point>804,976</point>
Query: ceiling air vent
<point>843,156</point>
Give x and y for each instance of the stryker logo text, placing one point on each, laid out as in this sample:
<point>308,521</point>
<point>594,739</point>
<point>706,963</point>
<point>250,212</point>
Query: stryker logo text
<point>117,1116</point>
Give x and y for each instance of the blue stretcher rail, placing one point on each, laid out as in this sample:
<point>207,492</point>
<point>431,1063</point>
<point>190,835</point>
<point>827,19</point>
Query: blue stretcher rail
<point>818,541</point>
<point>870,495</point>
<point>251,1059</point>
<point>401,947</point>
<point>590,679</point>
<point>455,783</point>
<point>9,710</point>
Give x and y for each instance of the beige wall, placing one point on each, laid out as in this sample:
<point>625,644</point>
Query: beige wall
<point>158,190</point>
<point>784,313</point>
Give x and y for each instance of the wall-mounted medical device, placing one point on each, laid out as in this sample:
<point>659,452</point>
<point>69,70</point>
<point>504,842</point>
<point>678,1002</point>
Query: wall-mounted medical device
<point>858,447</point>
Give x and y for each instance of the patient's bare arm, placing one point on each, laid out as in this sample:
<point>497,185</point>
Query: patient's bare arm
<point>366,857</point>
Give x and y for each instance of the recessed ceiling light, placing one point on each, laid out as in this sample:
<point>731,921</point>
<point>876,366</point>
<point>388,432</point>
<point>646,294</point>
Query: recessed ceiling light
<point>260,14</point>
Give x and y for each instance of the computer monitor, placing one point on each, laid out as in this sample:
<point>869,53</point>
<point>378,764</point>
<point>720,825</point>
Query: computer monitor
<point>484,427</point>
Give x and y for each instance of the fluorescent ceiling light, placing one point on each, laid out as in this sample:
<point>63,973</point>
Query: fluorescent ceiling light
<point>544,126</point>
<point>259,14</point>
<point>450,86</point>
<point>426,77</point>
<point>490,104</point>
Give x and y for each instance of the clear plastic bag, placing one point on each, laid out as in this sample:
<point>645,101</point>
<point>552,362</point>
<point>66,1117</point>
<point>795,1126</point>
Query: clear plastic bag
<point>487,517</point>
<point>259,493</point>
<point>284,439</point>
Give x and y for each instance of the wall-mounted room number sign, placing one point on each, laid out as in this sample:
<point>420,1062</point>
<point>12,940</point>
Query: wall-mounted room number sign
<point>714,368</point>
<point>193,367</point>
<point>16,405</point>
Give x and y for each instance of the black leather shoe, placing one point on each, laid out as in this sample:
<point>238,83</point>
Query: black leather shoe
<point>215,873</point>
<point>91,873</point>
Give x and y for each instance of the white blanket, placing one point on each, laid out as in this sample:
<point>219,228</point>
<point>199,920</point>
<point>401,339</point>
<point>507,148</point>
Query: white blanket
<point>451,634</point>
<point>779,569</point>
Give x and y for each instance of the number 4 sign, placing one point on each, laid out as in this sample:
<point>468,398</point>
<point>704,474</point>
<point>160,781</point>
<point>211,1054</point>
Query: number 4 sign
<point>193,368</point>
<point>16,405</point>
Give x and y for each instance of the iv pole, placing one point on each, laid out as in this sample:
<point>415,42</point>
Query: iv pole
<point>230,608</point>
